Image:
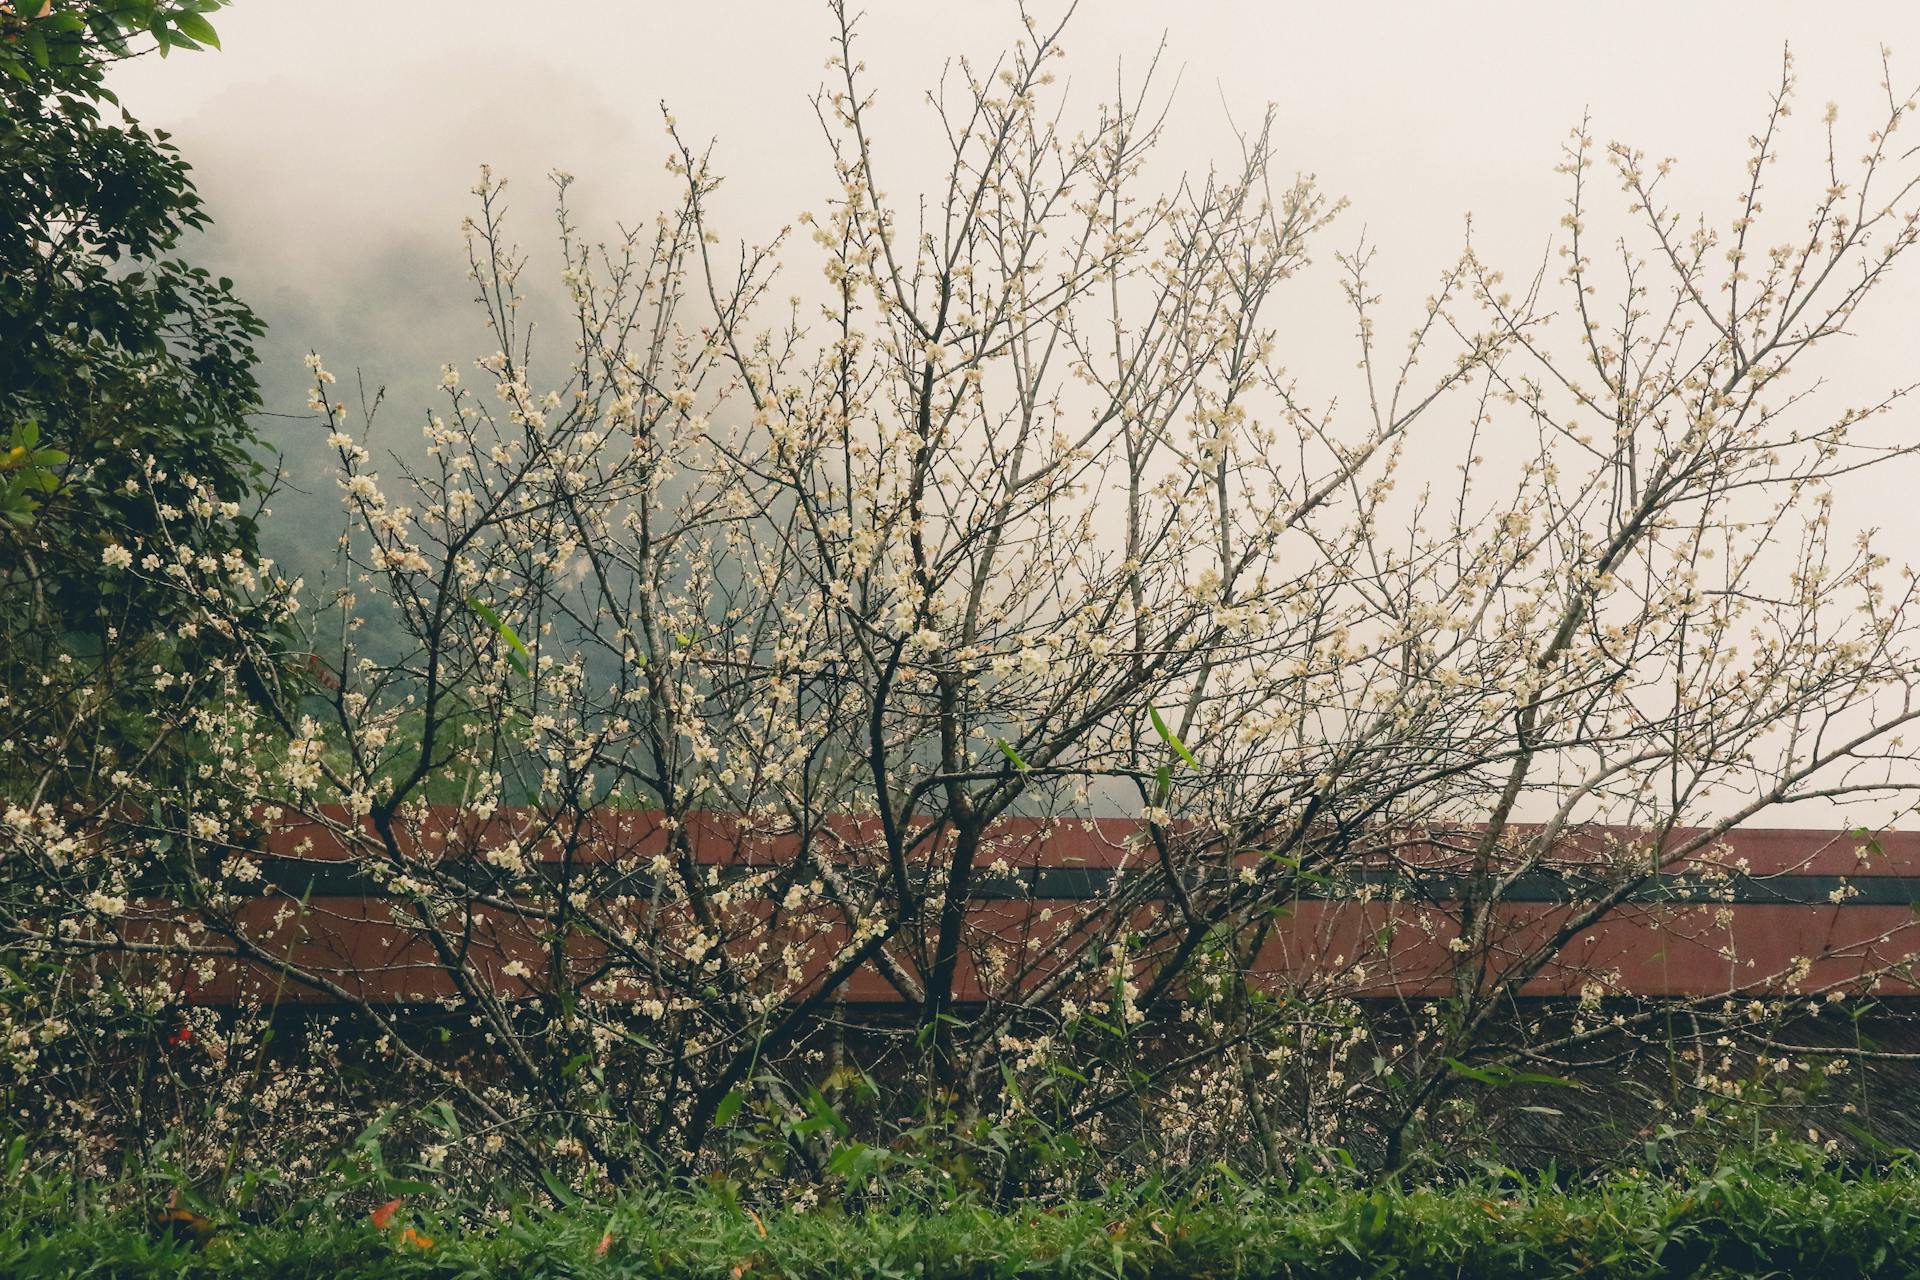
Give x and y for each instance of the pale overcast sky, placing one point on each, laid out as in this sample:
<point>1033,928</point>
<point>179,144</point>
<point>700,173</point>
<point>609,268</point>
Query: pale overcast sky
<point>350,115</point>
<point>336,139</point>
<point>336,143</point>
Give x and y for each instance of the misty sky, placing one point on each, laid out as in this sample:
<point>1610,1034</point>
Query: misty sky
<point>336,142</point>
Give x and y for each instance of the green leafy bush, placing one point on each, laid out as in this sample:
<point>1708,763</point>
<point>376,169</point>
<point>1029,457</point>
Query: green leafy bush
<point>1788,1214</point>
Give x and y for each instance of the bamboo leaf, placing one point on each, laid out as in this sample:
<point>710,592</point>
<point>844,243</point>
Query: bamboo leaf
<point>1171,738</point>
<point>518,657</point>
<point>197,27</point>
<point>1500,1077</point>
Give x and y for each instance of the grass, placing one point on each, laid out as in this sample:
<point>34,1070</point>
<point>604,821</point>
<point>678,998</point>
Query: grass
<point>1791,1217</point>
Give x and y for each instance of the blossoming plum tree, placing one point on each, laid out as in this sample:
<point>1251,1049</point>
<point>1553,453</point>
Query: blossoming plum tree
<point>702,713</point>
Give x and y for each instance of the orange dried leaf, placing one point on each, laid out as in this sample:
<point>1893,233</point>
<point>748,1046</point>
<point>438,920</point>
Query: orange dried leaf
<point>185,1224</point>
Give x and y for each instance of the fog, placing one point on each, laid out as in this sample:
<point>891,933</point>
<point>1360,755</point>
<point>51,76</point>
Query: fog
<point>336,145</point>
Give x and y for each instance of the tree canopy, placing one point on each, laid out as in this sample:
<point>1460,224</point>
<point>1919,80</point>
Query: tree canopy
<point>126,372</point>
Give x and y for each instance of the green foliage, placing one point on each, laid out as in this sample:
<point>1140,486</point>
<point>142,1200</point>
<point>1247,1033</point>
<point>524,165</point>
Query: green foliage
<point>1172,739</point>
<point>67,41</point>
<point>1787,1214</point>
<point>28,473</point>
<point>126,375</point>
<point>129,490</point>
<point>517,653</point>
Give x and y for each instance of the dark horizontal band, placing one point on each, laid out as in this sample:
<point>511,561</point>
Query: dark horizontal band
<point>302,878</point>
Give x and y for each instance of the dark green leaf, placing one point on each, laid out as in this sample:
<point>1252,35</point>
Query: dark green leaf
<point>197,27</point>
<point>1501,1077</point>
<point>559,1190</point>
